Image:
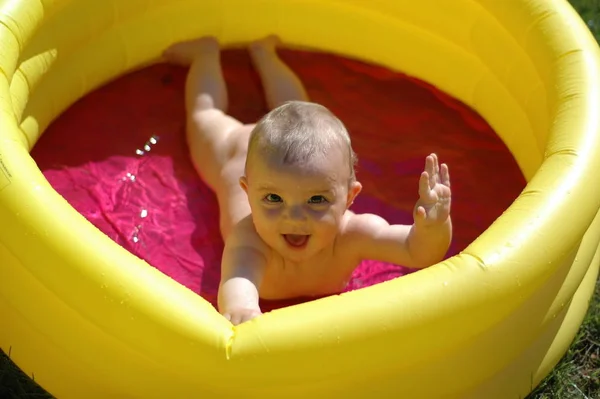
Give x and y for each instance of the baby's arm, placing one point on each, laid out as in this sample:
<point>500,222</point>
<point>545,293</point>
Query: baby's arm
<point>427,240</point>
<point>415,246</point>
<point>242,269</point>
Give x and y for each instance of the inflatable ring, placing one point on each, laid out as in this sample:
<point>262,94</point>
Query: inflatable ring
<point>88,319</point>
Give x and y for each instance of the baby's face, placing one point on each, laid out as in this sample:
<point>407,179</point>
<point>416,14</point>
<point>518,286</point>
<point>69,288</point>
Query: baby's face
<point>298,209</point>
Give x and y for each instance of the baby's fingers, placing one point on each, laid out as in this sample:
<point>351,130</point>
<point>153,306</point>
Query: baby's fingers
<point>234,318</point>
<point>430,165</point>
<point>436,165</point>
<point>420,214</point>
<point>424,186</point>
<point>445,175</point>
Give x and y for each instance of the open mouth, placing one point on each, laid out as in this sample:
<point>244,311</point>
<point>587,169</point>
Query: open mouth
<point>296,240</point>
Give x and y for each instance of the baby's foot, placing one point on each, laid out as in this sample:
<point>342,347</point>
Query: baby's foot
<point>264,46</point>
<point>184,53</point>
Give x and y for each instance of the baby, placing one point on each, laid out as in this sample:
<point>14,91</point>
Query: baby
<point>285,186</point>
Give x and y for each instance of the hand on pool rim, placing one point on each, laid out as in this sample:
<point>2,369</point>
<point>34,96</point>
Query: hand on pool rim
<point>433,206</point>
<point>239,316</point>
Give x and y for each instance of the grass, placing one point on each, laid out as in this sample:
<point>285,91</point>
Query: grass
<point>577,375</point>
<point>14,384</point>
<point>589,10</point>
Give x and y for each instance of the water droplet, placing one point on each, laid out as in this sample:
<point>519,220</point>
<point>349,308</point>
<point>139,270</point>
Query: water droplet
<point>147,148</point>
<point>153,139</point>
<point>134,237</point>
<point>144,213</point>
<point>128,176</point>
<point>139,152</point>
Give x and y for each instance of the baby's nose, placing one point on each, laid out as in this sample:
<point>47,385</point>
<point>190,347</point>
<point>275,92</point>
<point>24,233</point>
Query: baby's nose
<point>296,213</point>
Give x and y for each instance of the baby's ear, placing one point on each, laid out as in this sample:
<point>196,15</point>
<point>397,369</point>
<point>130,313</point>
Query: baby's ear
<point>353,191</point>
<point>244,183</point>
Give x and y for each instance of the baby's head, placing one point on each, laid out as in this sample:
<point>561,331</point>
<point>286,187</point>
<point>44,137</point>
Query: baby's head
<point>297,132</point>
<point>300,178</point>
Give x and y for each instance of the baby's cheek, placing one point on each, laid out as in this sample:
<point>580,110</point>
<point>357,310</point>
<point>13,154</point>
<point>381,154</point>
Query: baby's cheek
<point>271,214</point>
<point>266,220</point>
<point>327,221</point>
<point>321,215</point>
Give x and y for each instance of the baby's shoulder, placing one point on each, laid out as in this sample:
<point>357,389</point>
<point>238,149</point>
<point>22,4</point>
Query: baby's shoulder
<point>244,234</point>
<point>356,231</point>
<point>360,235</point>
<point>357,225</point>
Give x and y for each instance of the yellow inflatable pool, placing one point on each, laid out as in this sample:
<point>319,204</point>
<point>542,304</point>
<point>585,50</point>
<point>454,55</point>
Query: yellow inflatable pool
<point>90,320</point>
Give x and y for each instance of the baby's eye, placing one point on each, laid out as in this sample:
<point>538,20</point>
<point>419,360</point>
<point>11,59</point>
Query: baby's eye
<point>317,199</point>
<point>273,198</point>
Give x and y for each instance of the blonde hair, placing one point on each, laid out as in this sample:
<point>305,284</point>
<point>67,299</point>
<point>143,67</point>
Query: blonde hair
<point>297,131</point>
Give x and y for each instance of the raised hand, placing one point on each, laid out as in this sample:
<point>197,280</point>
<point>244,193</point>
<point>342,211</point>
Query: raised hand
<point>433,206</point>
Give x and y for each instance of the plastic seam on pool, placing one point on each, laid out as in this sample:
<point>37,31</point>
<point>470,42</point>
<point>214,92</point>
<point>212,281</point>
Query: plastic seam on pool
<point>8,28</point>
<point>229,343</point>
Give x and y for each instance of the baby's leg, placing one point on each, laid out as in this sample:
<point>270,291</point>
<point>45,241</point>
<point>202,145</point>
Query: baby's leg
<point>217,142</point>
<point>279,82</point>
